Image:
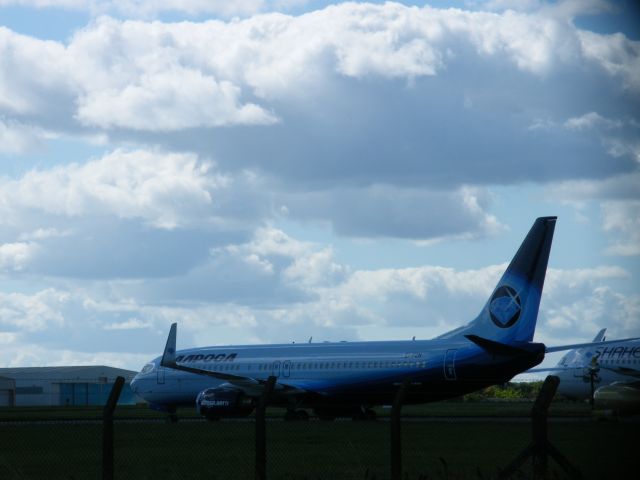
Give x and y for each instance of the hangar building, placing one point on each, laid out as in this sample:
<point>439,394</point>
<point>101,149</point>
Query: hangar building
<point>83,385</point>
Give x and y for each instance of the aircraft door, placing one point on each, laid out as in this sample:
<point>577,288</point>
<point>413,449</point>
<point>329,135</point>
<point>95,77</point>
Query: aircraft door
<point>450,364</point>
<point>286,368</point>
<point>276,368</point>
<point>160,376</point>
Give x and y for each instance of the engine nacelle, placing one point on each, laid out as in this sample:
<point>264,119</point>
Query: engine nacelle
<point>218,402</point>
<point>620,397</point>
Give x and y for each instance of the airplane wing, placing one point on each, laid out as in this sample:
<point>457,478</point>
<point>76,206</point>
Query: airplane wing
<point>585,345</point>
<point>631,372</point>
<point>550,369</point>
<point>252,386</point>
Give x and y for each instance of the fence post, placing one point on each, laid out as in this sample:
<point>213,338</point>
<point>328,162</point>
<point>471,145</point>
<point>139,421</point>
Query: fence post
<point>540,446</point>
<point>539,425</point>
<point>396,437</point>
<point>107,429</point>
<point>261,436</point>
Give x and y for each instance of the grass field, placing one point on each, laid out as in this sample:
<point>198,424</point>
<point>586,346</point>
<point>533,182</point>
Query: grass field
<point>461,448</point>
<point>436,409</point>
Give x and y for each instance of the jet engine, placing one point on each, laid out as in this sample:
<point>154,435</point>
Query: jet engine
<point>620,397</point>
<point>215,403</point>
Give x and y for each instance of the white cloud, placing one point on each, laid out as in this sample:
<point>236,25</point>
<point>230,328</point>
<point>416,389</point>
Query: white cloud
<point>624,148</point>
<point>619,136</point>
<point>172,99</point>
<point>272,241</point>
<point>34,74</point>
<point>619,200</point>
<point>34,355</point>
<point>8,338</point>
<point>343,303</point>
<point>127,214</point>
<point>164,189</point>
<point>14,256</point>
<point>19,138</point>
<point>558,281</point>
<point>132,323</point>
<point>601,307</point>
<point>621,187</point>
<point>32,313</point>
<point>346,99</point>
<point>44,233</point>
<point>356,116</point>
<point>591,120</point>
<point>623,218</point>
<point>316,268</point>
<point>302,265</point>
<point>402,212</point>
<point>159,77</point>
<point>616,54</point>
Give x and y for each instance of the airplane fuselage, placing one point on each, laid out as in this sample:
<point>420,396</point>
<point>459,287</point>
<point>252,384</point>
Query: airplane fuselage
<point>344,373</point>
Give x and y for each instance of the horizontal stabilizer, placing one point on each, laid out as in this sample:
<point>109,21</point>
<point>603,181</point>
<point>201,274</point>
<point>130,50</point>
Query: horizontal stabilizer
<point>496,348</point>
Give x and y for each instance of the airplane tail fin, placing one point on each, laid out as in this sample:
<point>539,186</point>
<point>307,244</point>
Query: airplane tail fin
<point>511,312</point>
<point>571,356</point>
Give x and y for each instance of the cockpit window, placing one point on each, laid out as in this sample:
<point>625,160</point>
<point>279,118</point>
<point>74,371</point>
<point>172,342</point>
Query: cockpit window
<point>148,368</point>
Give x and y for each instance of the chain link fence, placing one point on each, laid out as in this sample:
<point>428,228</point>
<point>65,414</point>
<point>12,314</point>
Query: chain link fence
<point>147,446</point>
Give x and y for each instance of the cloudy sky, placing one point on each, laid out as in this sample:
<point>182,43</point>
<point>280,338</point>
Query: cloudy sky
<point>266,171</point>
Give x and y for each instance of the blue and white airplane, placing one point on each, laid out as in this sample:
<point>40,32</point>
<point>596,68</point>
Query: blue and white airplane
<point>348,378</point>
<point>607,375</point>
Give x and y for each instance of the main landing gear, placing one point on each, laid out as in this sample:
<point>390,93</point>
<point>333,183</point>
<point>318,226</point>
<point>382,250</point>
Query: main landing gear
<point>366,415</point>
<point>357,414</point>
<point>296,415</point>
<point>172,416</point>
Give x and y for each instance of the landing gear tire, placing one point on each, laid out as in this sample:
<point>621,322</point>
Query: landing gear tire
<point>296,415</point>
<point>302,415</point>
<point>366,415</point>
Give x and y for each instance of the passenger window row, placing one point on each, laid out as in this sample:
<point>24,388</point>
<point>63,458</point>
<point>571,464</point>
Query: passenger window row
<point>319,366</point>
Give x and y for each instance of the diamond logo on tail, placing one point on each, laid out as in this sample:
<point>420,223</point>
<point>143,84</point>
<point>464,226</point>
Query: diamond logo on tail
<point>505,307</point>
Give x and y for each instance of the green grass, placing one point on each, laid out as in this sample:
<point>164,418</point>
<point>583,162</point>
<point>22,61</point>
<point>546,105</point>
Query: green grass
<point>437,409</point>
<point>306,450</point>
<point>497,408</point>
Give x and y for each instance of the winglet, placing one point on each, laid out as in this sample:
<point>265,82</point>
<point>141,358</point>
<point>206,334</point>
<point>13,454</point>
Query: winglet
<point>169,355</point>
